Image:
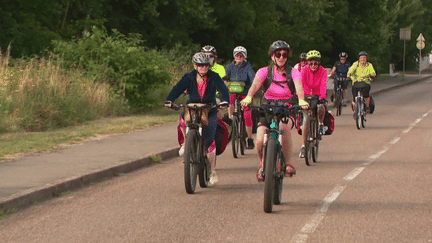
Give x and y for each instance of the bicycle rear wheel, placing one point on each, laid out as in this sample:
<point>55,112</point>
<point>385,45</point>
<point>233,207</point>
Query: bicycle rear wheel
<point>242,137</point>
<point>235,141</point>
<point>280,174</point>
<point>204,173</point>
<point>314,151</point>
<point>270,169</point>
<point>190,160</point>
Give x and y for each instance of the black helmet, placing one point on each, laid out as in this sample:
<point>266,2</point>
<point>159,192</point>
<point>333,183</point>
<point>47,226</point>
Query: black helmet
<point>343,54</point>
<point>280,44</point>
<point>362,53</point>
<point>302,56</point>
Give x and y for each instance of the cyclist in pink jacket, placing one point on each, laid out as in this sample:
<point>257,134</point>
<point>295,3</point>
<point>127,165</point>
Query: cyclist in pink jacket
<point>314,81</point>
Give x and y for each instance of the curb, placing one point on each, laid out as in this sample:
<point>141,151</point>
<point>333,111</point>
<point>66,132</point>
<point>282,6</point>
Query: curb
<point>55,189</point>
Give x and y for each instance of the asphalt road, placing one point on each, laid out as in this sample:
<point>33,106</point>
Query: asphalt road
<point>371,185</point>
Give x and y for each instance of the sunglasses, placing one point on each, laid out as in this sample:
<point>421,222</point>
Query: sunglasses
<point>313,63</point>
<point>278,55</point>
<point>202,65</point>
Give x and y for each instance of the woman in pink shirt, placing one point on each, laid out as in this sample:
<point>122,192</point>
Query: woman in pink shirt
<point>314,81</point>
<point>277,89</point>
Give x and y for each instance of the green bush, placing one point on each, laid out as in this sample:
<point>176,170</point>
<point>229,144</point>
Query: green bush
<point>130,69</point>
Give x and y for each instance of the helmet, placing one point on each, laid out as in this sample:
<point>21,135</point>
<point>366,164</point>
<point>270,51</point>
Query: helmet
<point>313,54</point>
<point>209,49</point>
<point>240,49</point>
<point>302,56</point>
<point>362,53</point>
<point>201,58</point>
<point>279,44</point>
<point>343,54</point>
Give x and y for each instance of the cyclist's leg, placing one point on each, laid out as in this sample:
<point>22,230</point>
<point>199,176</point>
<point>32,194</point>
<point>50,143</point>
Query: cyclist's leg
<point>260,150</point>
<point>345,89</point>
<point>182,135</point>
<point>366,95</point>
<point>287,146</point>
<point>208,134</point>
<point>247,112</point>
<point>231,105</point>
<point>321,113</point>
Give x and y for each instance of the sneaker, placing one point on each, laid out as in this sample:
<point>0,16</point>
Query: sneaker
<point>260,174</point>
<point>290,171</point>
<point>250,144</point>
<point>181,150</point>
<point>322,129</point>
<point>213,179</point>
<point>302,152</point>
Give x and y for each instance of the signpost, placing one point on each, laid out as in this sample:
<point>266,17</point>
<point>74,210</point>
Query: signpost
<point>420,45</point>
<point>404,34</point>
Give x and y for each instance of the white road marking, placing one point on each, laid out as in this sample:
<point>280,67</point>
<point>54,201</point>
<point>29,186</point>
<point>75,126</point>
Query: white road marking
<point>320,213</point>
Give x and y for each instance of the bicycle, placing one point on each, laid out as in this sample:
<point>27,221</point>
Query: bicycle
<point>274,162</point>
<point>238,136</point>
<point>313,136</point>
<point>338,99</point>
<point>360,105</point>
<point>196,163</point>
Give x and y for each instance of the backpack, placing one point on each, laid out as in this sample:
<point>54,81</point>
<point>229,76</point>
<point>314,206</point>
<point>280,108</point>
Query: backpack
<point>290,82</point>
<point>329,122</point>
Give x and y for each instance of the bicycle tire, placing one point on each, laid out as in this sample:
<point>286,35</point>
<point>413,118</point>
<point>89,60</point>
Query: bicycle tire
<point>314,151</point>
<point>269,183</point>
<point>309,143</point>
<point>234,139</point>
<point>280,174</point>
<point>204,173</point>
<point>190,160</point>
<point>339,104</point>
<point>358,117</point>
<point>242,137</point>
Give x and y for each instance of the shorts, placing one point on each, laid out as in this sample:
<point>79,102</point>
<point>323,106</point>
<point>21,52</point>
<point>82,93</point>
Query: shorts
<point>365,90</point>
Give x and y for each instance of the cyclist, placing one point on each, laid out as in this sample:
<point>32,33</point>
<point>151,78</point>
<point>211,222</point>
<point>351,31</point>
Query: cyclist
<point>302,62</point>
<point>362,70</point>
<point>241,71</point>
<point>217,68</point>
<point>314,80</point>
<point>277,78</point>
<point>341,69</point>
<point>202,84</point>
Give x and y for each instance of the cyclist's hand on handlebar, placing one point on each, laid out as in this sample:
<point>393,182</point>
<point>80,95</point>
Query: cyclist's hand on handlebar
<point>246,101</point>
<point>168,104</point>
<point>224,104</point>
<point>304,104</point>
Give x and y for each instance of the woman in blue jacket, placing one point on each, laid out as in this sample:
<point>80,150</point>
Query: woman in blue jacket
<point>202,84</point>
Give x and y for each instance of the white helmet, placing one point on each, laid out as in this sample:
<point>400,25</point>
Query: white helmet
<point>240,49</point>
<point>201,58</point>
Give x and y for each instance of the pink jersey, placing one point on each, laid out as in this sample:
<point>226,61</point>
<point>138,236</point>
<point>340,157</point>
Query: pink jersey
<point>202,87</point>
<point>275,91</point>
<point>314,83</point>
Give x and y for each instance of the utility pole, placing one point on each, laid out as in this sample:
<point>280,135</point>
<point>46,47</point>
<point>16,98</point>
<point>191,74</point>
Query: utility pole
<point>404,34</point>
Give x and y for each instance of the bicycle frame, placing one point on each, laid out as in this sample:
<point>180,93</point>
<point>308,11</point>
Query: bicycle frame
<point>312,136</point>
<point>238,139</point>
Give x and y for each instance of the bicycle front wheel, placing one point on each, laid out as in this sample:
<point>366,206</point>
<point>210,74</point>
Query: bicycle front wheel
<point>270,171</point>
<point>314,151</point>
<point>242,136</point>
<point>235,141</point>
<point>280,174</point>
<point>309,143</point>
<point>204,173</point>
<point>339,103</point>
<point>358,116</point>
<point>190,160</point>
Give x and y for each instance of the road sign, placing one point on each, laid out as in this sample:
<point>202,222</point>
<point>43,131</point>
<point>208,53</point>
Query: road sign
<point>420,37</point>
<point>420,45</point>
<point>405,34</point>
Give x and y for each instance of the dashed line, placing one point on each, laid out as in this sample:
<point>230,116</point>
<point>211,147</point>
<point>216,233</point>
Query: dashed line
<point>320,213</point>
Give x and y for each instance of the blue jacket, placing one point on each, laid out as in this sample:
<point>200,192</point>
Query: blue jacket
<point>188,82</point>
<point>342,69</point>
<point>244,73</point>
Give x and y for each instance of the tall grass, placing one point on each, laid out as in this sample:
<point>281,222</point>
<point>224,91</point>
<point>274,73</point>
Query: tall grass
<point>37,94</point>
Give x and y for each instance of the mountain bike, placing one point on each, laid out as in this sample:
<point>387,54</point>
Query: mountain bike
<point>313,136</point>
<point>238,133</point>
<point>360,105</point>
<point>196,163</point>
<point>274,162</point>
<point>338,99</point>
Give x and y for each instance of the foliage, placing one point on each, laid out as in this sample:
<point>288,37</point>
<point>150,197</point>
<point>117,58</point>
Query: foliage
<point>131,69</point>
<point>39,95</point>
